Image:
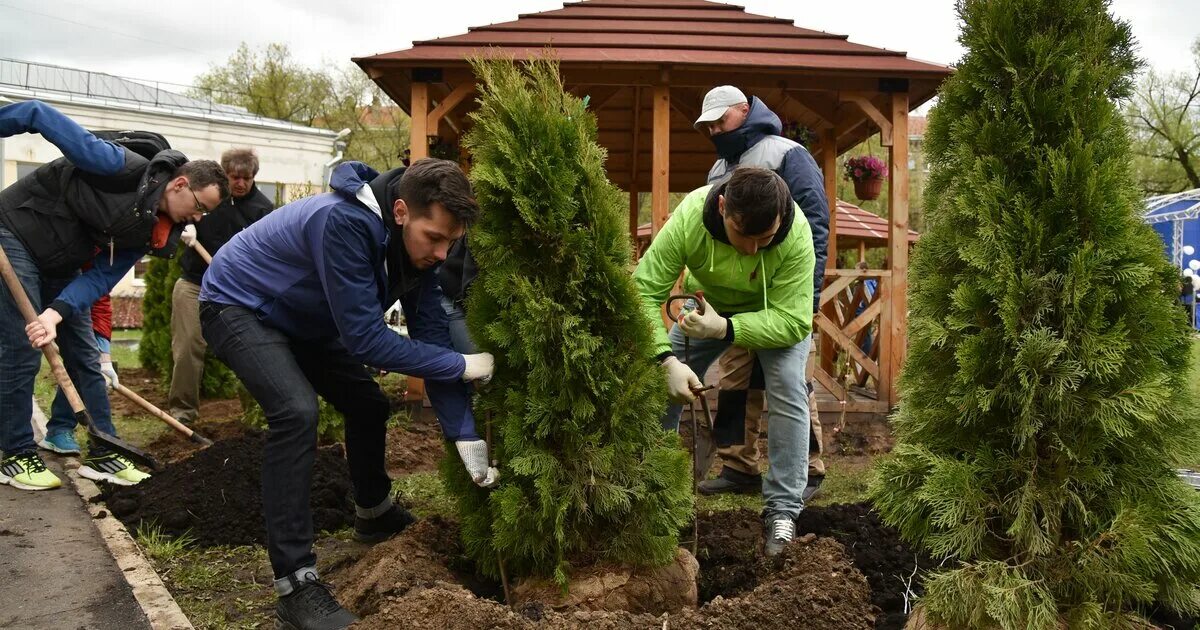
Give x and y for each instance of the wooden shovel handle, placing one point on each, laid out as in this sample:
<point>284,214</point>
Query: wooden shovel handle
<point>50,350</point>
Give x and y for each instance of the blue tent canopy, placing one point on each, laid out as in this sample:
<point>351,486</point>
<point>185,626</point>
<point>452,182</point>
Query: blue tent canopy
<point>1176,218</point>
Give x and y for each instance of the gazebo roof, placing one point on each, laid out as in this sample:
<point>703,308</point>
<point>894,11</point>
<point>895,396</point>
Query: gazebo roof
<point>607,49</point>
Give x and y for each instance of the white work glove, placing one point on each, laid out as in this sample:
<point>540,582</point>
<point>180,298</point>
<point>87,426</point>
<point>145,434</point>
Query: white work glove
<point>189,235</point>
<point>474,457</point>
<point>710,325</point>
<point>681,380</point>
<point>480,367</point>
<point>110,373</point>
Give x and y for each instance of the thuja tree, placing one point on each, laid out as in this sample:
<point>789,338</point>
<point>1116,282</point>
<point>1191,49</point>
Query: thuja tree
<point>1045,395</point>
<point>154,350</point>
<point>587,473</point>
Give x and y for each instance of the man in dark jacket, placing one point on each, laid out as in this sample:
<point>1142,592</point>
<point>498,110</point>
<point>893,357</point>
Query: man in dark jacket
<point>245,205</point>
<point>103,196</point>
<point>294,305</point>
<point>746,133</point>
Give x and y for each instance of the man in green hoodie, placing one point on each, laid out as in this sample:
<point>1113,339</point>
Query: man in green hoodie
<point>751,262</point>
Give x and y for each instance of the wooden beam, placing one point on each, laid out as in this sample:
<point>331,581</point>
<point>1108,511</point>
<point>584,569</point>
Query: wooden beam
<point>824,120</point>
<point>864,318</point>
<point>847,344</point>
<point>601,95</point>
<point>660,191</point>
<point>884,343</point>
<point>898,237</point>
<point>830,383</point>
<point>634,202</point>
<point>447,105</point>
<point>859,273</point>
<point>834,288</point>
<point>829,171</point>
<point>863,101</point>
<point>418,129</point>
<point>853,406</point>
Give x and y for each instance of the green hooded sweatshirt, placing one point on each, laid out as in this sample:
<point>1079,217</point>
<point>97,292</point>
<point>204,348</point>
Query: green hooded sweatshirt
<point>768,295</point>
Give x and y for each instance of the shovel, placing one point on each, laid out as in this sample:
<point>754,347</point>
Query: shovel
<point>698,458</point>
<point>204,255</point>
<point>162,415</point>
<point>64,381</point>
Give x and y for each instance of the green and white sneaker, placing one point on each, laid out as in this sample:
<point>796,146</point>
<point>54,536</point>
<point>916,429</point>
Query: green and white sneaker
<point>112,468</point>
<point>27,471</point>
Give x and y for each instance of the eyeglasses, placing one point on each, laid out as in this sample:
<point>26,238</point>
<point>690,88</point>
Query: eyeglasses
<point>199,206</point>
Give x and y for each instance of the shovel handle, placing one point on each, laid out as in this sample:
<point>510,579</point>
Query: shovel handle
<point>162,415</point>
<point>203,252</point>
<point>50,350</point>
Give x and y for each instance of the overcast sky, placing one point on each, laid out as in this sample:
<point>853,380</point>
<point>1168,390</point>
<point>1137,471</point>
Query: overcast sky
<point>178,40</point>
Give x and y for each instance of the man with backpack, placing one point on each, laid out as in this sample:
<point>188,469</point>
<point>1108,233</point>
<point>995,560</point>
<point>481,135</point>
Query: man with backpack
<point>100,195</point>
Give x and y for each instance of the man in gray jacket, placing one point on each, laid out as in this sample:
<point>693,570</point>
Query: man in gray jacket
<point>746,132</point>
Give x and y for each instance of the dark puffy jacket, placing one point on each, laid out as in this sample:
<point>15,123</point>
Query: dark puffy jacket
<point>758,143</point>
<point>62,213</point>
<point>220,225</point>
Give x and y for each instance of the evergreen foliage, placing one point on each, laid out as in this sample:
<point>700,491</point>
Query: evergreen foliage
<point>1044,399</point>
<point>154,350</point>
<point>587,472</point>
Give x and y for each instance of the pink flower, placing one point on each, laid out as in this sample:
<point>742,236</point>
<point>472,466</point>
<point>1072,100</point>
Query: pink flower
<point>858,172</point>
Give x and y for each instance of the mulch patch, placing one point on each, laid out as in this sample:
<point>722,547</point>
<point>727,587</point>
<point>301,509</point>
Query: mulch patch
<point>215,495</point>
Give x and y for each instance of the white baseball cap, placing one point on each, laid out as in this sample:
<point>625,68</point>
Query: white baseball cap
<point>717,101</point>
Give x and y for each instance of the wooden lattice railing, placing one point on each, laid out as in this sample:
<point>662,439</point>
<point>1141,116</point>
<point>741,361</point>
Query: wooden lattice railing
<point>850,323</point>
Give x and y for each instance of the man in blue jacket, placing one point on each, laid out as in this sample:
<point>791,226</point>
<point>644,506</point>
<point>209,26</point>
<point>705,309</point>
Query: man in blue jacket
<point>745,132</point>
<point>294,305</point>
<point>99,197</point>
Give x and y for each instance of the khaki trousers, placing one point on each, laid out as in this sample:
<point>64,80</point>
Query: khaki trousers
<point>187,350</point>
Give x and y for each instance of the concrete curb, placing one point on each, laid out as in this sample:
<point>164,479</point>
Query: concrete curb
<point>148,589</point>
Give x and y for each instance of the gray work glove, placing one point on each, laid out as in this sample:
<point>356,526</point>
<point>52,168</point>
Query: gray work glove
<point>474,457</point>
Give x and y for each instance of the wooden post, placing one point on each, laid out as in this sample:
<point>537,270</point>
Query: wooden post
<point>898,239</point>
<point>660,190</point>
<point>419,127</point>
<point>862,251</point>
<point>634,202</point>
<point>418,149</point>
<point>826,350</point>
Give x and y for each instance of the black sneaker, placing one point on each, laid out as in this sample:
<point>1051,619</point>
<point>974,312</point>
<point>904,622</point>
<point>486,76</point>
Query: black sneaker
<point>311,606</point>
<point>381,528</point>
<point>731,481</point>
<point>813,488</point>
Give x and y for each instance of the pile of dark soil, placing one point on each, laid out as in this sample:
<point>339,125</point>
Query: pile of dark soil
<point>420,579</point>
<point>893,568</point>
<point>214,496</point>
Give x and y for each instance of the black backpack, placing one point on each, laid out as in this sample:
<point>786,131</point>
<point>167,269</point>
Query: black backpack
<point>144,143</point>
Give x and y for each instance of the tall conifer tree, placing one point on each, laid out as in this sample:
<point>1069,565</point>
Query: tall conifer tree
<point>1045,395</point>
<point>588,473</point>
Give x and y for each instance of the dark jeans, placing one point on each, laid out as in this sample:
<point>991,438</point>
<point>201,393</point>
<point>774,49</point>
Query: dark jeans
<point>19,361</point>
<point>285,375</point>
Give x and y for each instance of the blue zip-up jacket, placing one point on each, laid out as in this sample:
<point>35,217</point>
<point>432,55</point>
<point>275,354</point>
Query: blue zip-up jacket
<point>758,143</point>
<point>88,153</point>
<point>315,269</point>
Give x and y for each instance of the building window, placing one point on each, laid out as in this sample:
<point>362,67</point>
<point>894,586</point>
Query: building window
<point>25,168</point>
<point>270,189</point>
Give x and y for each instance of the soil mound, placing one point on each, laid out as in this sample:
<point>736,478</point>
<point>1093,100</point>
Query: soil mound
<point>892,567</point>
<point>215,495</point>
<point>417,580</point>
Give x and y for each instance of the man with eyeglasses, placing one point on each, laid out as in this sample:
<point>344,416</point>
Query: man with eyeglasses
<point>100,197</point>
<point>245,205</point>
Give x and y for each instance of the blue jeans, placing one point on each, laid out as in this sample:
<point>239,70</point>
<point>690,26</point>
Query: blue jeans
<point>787,422</point>
<point>285,376</point>
<point>460,337</point>
<point>61,417</point>
<point>20,362</point>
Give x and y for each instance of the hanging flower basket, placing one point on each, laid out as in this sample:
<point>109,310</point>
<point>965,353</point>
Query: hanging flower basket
<point>867,172</point>
<point>868,189</point>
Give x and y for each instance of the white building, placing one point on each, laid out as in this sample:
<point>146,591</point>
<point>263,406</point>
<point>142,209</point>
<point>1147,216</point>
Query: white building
<point>293,158</point>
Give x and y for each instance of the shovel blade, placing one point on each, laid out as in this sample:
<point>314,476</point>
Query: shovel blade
<point>116,444</point>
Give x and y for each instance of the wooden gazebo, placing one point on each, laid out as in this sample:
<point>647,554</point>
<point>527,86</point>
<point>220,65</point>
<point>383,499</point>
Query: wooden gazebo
<point>645,66</point>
